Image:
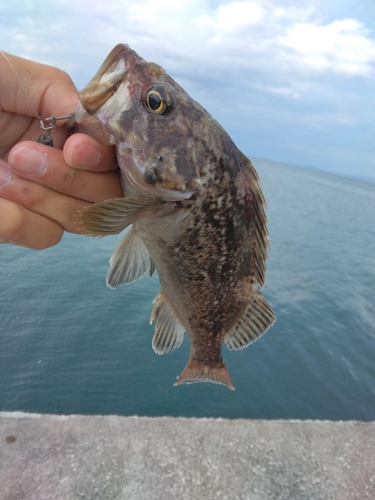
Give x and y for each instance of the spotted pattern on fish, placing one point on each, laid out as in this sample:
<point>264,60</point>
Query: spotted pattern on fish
<point>196,209</point>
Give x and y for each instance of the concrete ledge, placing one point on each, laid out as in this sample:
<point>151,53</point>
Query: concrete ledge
<point>45,457</point>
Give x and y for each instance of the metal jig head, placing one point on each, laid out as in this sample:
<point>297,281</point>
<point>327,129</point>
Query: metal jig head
<point>47,125</point>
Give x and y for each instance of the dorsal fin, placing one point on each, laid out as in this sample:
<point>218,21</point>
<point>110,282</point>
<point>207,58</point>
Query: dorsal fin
<point>258,317</point>
<point>259,237</point>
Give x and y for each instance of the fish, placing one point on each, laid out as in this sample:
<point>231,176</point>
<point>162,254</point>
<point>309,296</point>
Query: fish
<point>194,206</point>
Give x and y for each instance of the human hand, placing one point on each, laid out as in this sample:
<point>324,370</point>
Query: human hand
<point>30,90</point>
<point>44,187</point>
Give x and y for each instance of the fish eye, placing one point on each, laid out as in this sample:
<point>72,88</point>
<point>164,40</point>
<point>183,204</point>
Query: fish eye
<point>157,100</point>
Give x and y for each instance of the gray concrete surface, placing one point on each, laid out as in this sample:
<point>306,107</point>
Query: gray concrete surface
<point>45,457</point>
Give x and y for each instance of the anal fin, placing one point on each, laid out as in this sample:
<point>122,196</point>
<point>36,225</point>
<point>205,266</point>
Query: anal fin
<point>169,334</point>
<point>129,261</point>
<point>258,317</point>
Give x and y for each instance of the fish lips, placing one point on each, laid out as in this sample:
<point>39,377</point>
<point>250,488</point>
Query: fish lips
<point>82,122</point>
<point>112,78</point>
<point>97,92</point>
<point>108,77</point>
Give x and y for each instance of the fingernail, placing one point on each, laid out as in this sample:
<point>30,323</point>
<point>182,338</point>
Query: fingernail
<point>5,175</point>
<point>28,160</point>
<point>86,155</point>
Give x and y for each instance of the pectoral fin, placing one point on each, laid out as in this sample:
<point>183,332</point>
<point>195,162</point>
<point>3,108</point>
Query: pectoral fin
<point>113,216</point>
<point>258,317</point>
<point>129,261</point>
<point>169,334</point>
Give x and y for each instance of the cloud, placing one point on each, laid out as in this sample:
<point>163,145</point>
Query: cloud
<point>279,64</point>
<point>252,34</point>
<point>247,35</point>
<point>233,16</point>
<point>341,46</point>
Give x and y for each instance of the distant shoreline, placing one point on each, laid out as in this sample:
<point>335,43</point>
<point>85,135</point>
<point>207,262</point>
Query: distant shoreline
<point>362,178</point>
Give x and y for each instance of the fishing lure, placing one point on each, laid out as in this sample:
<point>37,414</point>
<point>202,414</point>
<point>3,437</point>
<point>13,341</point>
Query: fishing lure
<point>47,126</point>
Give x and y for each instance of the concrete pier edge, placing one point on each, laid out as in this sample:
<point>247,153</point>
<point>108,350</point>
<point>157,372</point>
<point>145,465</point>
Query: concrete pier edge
<point>46,457</point>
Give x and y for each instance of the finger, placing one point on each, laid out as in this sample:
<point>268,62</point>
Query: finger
<point>83,152</point>
<point>22,227</point>
<point>5,173</point>
<point>45,89</point>
<point>17,128</point>
<point>45,166</point>
<point>45,202</point>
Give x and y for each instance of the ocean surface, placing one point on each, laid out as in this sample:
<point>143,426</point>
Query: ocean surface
<point>69,344</point>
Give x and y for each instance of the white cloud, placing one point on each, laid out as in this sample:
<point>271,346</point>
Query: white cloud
<point>233,16</point>
<point>293,13</point>
<point>341,46</point>
<point>246,35</point>
<point>152,12</point>
<point>281,61</point>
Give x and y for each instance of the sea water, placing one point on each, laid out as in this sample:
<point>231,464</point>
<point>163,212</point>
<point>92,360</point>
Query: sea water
<point>69,344</point>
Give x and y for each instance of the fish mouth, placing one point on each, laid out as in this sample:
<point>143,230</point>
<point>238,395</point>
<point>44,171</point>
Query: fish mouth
<point>82,122</point>
<point>97,92</point>
<point>101,105</point>
<point>78,117</point>
<point>92,114</point>
<point>107,78</point>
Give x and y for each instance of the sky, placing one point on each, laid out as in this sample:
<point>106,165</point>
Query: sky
<point>290,80</point>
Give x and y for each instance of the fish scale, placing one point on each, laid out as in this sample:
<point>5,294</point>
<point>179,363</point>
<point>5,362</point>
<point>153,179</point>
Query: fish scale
<point>195,208</point>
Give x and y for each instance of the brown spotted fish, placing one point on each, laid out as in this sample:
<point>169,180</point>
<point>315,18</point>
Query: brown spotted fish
<point>195,208</point>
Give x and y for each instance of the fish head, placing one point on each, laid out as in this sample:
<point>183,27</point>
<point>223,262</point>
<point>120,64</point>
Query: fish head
<point>151,121</point>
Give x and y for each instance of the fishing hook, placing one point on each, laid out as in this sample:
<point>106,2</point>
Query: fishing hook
<point>47,125</point>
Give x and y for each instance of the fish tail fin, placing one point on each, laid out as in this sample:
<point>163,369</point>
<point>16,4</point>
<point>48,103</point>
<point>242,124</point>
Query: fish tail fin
<point>196,371</point>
